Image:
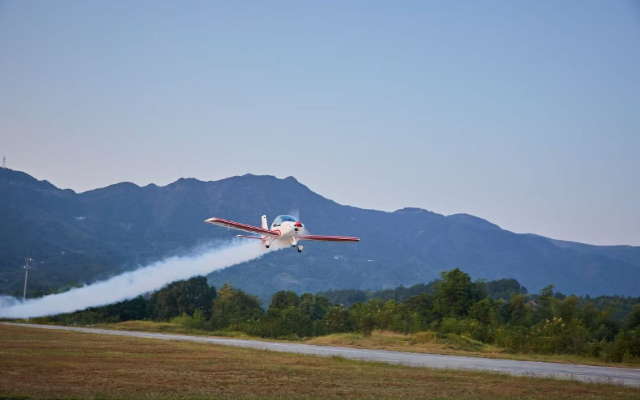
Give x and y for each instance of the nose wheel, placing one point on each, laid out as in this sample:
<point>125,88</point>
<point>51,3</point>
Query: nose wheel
<point>300,249</point>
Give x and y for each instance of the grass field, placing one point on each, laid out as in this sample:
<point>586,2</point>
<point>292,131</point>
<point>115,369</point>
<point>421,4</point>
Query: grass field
<point>45,364</point>
<point>423,342</point>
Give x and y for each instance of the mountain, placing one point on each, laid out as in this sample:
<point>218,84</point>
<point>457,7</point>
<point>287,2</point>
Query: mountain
<point>81,237</point>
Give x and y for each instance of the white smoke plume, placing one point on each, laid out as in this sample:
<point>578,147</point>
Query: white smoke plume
<point>131,284</point>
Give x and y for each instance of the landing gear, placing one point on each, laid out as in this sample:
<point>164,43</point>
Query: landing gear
<point>300,249</point>
<point>266,245</point>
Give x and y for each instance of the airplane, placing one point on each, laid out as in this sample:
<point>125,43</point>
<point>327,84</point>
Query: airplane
<point>283,228</point>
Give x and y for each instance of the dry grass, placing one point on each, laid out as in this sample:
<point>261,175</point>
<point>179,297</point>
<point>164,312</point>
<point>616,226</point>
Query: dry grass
<point>422,342</point>
<point>427,342</point>
<point>44,364</point>
<point>168,327</point>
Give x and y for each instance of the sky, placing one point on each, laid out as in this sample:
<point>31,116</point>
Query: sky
<point>524,113</point>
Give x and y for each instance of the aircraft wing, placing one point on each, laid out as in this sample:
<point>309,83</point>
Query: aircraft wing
<point>319,238</point>
<point>241,227</point>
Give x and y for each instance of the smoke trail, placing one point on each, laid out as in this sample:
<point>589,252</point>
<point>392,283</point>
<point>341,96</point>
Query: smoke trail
<point>134,283</point>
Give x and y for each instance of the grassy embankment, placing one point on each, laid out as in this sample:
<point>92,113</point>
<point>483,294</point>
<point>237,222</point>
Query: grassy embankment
<point>43,364</point>
<point>423,342</point>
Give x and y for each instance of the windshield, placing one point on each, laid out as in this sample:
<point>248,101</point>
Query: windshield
<point>283,218</point>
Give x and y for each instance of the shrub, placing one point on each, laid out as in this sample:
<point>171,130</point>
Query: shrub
<point>512,338</point>
<point>424,337</point>
<point>625,346</point>
<point>198,321</point>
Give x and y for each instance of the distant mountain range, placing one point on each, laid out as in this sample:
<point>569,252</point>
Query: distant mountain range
<point>82,237</point>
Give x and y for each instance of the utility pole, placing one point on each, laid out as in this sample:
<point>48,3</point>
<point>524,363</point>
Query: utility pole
<point>27,267</point>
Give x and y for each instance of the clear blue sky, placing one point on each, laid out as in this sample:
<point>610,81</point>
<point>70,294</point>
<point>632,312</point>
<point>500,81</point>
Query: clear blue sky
<point>526,113</point>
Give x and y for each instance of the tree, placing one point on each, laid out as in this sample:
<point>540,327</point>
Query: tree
<point>632,321</point>
<point>363,319</point>
<point>134,309</point>
<point>293,322</point>
<point>546,303</point>
<point>313,306</point>
<point>183,297</point>
<point>284,299</point>
<point>482,311</point>
<point>398,317</point>
<point>338,320</point>
<point>519,313</point>
<point>455,293</point>
<point>504,288</point>
<point>422,305</point>
<point>568,308</point>
<point>625,346</point>
<point>233,307</point>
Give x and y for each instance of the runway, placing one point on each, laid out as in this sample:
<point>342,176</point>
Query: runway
<point>584,373</point>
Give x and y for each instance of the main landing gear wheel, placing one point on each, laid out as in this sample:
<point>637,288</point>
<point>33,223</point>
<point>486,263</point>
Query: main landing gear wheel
<point>299,249</point>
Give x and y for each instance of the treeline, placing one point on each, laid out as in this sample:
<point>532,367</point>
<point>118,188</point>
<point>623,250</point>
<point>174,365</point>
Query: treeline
<point>498,289</point>
<point>499,313</point>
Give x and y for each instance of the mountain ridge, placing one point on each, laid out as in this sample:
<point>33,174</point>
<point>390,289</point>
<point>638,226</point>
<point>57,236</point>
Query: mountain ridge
<point>97,233</point>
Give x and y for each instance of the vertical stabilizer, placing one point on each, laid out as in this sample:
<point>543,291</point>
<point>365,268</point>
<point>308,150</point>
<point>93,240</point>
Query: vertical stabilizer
<point>264,222</point>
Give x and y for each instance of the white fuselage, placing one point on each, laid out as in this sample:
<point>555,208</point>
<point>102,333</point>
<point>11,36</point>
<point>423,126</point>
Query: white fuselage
<point>288,232</point>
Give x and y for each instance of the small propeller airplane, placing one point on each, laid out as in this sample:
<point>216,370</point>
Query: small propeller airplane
<point>283,228</point>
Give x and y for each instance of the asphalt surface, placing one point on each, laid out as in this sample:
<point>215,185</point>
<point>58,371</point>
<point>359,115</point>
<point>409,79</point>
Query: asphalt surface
<point>585,373</point>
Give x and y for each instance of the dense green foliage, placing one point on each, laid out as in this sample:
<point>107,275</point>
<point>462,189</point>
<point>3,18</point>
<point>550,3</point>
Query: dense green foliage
<point>500,289</point>
<point>454,306</point>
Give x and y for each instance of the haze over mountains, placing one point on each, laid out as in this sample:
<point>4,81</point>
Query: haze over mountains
<point>82,237</point>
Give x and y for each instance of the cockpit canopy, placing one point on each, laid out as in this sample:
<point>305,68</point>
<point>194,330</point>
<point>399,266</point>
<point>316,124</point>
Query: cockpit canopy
<point>283,218</point>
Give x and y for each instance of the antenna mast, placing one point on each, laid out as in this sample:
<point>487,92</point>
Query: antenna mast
<point>4,159</point>
<point>27,267</point>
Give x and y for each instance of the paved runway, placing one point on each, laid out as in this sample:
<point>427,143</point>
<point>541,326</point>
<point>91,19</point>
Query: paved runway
<point>586,373</point>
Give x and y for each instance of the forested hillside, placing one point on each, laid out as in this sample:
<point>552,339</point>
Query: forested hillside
<point>82,237</point>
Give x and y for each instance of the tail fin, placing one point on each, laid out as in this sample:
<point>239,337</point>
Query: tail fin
<point>264,222</point>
